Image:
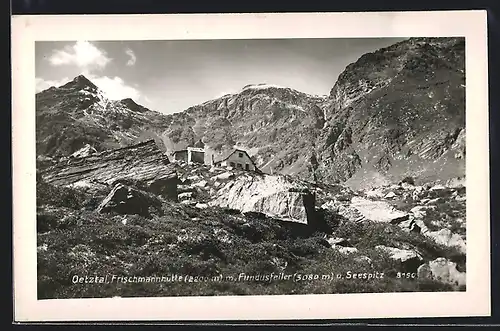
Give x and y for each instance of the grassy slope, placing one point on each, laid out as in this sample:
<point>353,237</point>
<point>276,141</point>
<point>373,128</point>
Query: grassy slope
<point>75,240</point>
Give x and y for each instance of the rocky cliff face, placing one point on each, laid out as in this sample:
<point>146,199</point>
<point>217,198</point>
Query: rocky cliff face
<point>77,114</point>
<point>276,124</point>
<point>396,112</point>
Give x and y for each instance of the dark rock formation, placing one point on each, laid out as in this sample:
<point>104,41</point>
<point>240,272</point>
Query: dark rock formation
<point>143,165</point>
<point>127,200</point>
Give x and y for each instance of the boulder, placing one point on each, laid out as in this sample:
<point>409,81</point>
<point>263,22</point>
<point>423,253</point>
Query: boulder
<point>85,151</point>
<point>224,176</point>
<point>418,211</point>
<point>437,187</point>
<point>414,225</point>
<point>201,183</point>
<point>447,238</point>
<point>127,200</point>
<point>165,186</point>
<point>402,255</point>
<point>434,201</point>
<point>378,211</point>
<point>443,270</point>
<point>142,163</point>
<point>410,259</point>
<point>272,195</point>
<point>337,241</point>
<point>342,245</point>
<point>407,186</point>
<point>390,195</point>
<point>374,193</point>
<point>363,259</point>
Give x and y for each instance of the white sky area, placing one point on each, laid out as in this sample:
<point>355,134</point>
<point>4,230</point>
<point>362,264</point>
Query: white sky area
<point>170,76</point>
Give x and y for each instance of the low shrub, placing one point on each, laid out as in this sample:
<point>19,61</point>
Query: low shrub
<point>58,196</point>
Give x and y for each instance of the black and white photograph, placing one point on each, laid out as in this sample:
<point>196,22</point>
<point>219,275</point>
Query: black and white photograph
<point>250,166</point>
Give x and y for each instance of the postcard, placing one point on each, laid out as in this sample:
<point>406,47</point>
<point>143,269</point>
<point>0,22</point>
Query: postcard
<point>225,167</point>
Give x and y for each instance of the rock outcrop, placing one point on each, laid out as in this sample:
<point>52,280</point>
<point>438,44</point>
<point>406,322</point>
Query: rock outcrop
<point>378,211</point>
<point>442,270</point>
<point>409,259</point>
<point>275,196</point>
<point>128,200</point>
<point>447,238</point>
<point>397,112</point>
<point>142,164</point>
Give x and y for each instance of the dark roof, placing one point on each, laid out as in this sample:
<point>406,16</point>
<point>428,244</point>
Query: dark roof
<point>180,150</point>
<point>199,144</point>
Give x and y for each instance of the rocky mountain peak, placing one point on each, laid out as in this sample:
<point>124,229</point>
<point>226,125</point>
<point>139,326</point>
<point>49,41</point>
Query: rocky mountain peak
<point>395,112</point>
<point>132,105</point>
<point>418,58</point>
<point>80,82</point>
<point>78,114</point>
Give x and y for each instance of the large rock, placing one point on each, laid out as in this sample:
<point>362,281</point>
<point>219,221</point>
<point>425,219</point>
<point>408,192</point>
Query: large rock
<point>378,211</point>
<point>419,211</point>
<point>402,255</point>
<point>443,270</point>
<point>410,259</point>
<point>143,164</point>
<point>447,238</point>
<point>275,196</point>
<point>128,200</point>
<point>414,225</point>
<point>342,245</point>
<point>164,185</point>
<point>87,150</point>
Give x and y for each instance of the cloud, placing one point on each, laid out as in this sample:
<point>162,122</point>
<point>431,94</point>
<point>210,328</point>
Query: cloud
<point>132,59</point>
<point>83,54</point>
<point>115,88</point>
<point>42,84</point>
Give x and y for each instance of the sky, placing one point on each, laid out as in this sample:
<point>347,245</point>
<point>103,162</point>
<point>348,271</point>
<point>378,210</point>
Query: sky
<point>171,75</point>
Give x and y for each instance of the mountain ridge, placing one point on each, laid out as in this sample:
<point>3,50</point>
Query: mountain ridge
<point>78,113</point>
<point>395,112</point>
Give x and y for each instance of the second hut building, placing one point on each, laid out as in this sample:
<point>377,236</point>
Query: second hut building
<point>238,159</point>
